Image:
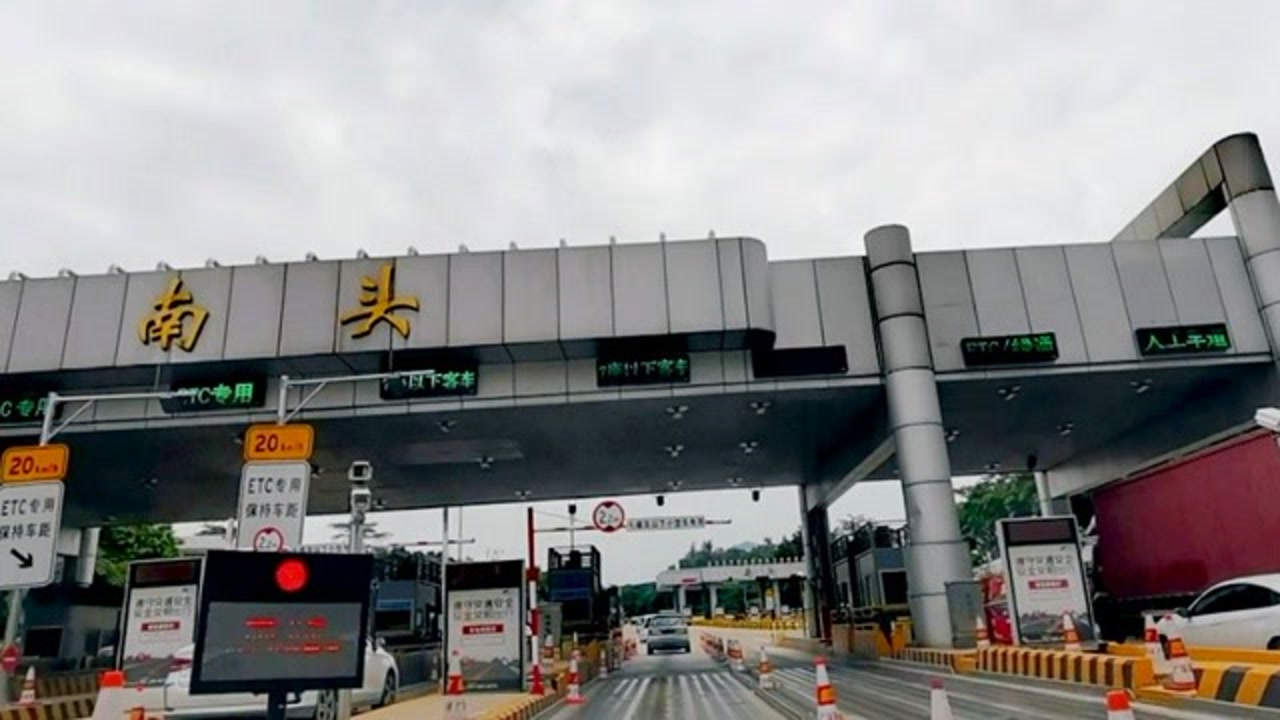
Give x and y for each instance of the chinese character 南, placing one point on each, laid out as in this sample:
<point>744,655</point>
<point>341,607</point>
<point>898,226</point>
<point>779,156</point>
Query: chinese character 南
<point>379,303</point>
<point>176,319</point>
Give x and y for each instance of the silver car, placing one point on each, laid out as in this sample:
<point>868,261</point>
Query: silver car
<point>668,632</point>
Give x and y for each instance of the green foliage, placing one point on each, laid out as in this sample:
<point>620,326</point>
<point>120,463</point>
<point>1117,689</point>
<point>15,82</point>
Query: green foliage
<point>708,554</point>
<point>994,498</point>
<point>121,544</point>
<point>641,599</point>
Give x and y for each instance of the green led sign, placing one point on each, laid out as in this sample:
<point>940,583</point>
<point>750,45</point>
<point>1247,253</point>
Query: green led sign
<point>451,381</point>
<point>240,394</point>
<point>660,370</point>
<point>23,408</point>
<point>1010,349</point>
<point>1183,339</point>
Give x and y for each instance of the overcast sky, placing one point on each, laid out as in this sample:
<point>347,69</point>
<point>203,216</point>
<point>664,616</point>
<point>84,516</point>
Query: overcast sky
<point>133,132</point>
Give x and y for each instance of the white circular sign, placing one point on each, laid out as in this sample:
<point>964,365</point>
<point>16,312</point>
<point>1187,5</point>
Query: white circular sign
<point>268,539</point>
<point>608,517</point>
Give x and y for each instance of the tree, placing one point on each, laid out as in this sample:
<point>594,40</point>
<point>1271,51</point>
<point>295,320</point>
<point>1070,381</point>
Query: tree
<point>118,545</point>
<point>994,498</point>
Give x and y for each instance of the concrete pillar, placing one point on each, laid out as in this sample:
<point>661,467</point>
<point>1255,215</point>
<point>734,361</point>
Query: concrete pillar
<point>1042,493</point>
<point>711,604</point>
<point>87,561</point>
<point>777,598</point>
<point>1255,212</point>
<point>812,628</point>
<point>937,554</point>
<point>682,599</point>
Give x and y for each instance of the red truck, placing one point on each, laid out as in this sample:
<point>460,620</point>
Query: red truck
<point>1171,531</point>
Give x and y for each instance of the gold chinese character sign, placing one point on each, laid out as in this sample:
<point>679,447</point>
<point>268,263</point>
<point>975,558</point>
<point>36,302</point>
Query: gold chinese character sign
<point>175,318</point>
<point>378,303</point>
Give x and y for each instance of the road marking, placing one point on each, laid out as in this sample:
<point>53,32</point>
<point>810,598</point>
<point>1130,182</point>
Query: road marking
<point>635,693</point>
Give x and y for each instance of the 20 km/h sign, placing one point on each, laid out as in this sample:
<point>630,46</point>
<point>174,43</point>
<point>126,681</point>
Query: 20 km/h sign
<point>30,517</point>
<point>609,517</point>
<point>34,463</point>
<point>279,442</point>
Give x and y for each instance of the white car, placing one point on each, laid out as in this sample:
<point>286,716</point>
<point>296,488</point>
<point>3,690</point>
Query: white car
<point>1242,612</point>
<point>381,683</point>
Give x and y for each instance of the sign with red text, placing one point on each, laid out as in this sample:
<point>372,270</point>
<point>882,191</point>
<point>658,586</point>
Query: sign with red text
<point>1046,580</point>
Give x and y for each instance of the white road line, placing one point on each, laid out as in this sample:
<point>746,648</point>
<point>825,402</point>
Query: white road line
<point>640,687</point>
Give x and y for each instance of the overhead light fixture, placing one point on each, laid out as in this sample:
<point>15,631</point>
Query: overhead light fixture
<point>952,434</point>
<point>1066,428</point>
<point>674,484</point>
<point>66,273</point>
<point>212,263</point>
<point>993,466</point>
<point>734,481</point>
<point>1140,386</point>
<point>447,424</point>
<point>261,260</point>
<point>112,269</point>
<point>660,500</point>
<point>17,275</point>
<point>674,450</point>
<point>164,266</point>
<point>1009,393</point>
<point>748,446</point>
<point>761,406</point>
<point>311,257</point>
<point>523,494</point>
<point>362,254</point>
<point>675,412</point>
<point>755,496</point>
<point>485,462</point>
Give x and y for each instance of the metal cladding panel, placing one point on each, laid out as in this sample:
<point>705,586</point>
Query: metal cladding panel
<point>845,306</point>
<point>755,274</point>
<point>586,293</point>
<point>1146,289</point>
<point>475,299</point>
<point>210,288</point>
<point>639,290</point>
<point>1051,303</point>
<point>10,298</point>
<point>253,314</point>
<point>41,326</point>
<point>531,297</point>
<point>310,316</point>
<point>1108,336</point>
<point>997,292</point>
<point>795,304</point>
<point>140,298</point>
<point>1247,333</point>
<point>948,305</point>
<point>693,287</point>
<point>425,277</point>
<point>362,279</point>
<point>1191,281</point>
<point>540,378</point>
<point>733,291</point>
<point>95,323</point>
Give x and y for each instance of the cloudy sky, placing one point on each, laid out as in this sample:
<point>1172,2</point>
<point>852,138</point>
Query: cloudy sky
<point>143,131</point>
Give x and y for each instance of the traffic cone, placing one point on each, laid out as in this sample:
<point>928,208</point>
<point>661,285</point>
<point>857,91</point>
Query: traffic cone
<point>454,684</point>
<point>735,654</point>
<point>765,671</point>
<point>604,663</point>
<point>1182,677</point>
<point>28,696</point>
<point>1070,637</point>
<point>1118,706</point>
<point>1151,643</point>
<point>939,704</point>
<point>575,687</point>
<point>110,702</point>
<point>981,634</point>
<point>536,686</point>
<point>826,693</point>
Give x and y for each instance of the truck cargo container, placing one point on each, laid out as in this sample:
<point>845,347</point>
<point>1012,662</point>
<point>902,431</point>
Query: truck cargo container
<point>1171,531</point>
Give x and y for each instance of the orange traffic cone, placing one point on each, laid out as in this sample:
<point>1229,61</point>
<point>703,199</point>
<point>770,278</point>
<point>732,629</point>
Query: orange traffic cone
<point>1182,677</point>
<point>28,696</point>
<point>766,671</point>
<point>455,705</point>
<point>735,656</point>
<point>604,663</point>
<point>1151,643</point>
<point>981,634</point>
<point>575,683</point>
<point>536,686</point>
<point>826,693</point>
<point>110,702</point>
<point>1118,706</point>
<point>1070,636</point>
<point>939,704</point>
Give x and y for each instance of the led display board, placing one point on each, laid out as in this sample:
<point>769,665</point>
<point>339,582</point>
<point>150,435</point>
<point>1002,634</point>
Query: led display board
<point>1020,349</point>
<point>664,369</point>
<point>1183,339</point>
<point>451,379</point>
<point>236,394</point>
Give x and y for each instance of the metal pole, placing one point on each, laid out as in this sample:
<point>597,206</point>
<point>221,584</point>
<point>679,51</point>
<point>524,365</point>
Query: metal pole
<point>535,621</point>
<point>1042,493</point>
<point>355,545</point>
<point>282,401</point>
<point>444,600</point>
<point>460,509</point>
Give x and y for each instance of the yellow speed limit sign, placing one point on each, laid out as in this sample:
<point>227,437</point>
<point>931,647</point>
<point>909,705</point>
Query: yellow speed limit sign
<point>279,442</point>
<point>31,463</point>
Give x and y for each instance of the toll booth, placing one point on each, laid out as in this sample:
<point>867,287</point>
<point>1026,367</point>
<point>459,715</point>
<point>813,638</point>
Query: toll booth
<point>407,604</point>
<point>870,572</point>
<point>573,581</point>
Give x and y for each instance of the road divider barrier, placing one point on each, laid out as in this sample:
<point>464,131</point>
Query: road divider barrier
<point>949,659</point>
<point>58,684</point>
<point>1085,668</point>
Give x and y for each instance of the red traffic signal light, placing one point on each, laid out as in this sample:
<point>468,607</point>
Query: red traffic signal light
<point>291,575</point>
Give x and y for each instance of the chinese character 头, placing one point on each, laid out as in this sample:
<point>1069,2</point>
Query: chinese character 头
<point>379,303</point>
<point>176,319</point>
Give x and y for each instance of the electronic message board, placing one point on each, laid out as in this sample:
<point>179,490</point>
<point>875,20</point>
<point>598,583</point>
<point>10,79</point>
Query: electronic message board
<point>281,622</point>
<point>158,618</point>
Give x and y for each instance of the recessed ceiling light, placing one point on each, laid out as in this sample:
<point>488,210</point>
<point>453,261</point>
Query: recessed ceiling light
<point>734,481</point>
<point>675,412</point>
<point>1140,386</point>
<point>674,484</point>
<point>674,450</point>
<point>523,494</point>
<point>952,434</point>
<point>992,467</point>
<point>748,446</point>
<point>1066,428</point>
<point>447,424</point>
<point>761,406</point>
<point>485,462</point>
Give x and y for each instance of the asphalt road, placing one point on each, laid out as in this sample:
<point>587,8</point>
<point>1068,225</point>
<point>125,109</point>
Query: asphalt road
<point>668,687</point>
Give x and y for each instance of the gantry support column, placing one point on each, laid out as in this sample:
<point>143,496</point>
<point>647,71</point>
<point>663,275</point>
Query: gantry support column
<point>818,600</point>
<point>936,554</point>
<point>1255,212</point>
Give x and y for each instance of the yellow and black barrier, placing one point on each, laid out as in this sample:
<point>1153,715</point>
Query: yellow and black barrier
<point>1085,668</point>
<point>57,685</point>
<point>62,709</point>
<point>1256,685</point>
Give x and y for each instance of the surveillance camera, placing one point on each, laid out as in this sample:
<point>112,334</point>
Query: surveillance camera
<point>361,471</point>
<point>361,499</point>
<point>1268,418</point>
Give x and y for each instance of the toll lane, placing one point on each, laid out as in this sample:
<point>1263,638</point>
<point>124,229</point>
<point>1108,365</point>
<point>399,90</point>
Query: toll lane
<point>668,687</point>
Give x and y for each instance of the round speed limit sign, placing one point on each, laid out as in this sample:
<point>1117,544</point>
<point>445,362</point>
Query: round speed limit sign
<point>608,517</point>
<point>268,539</point>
